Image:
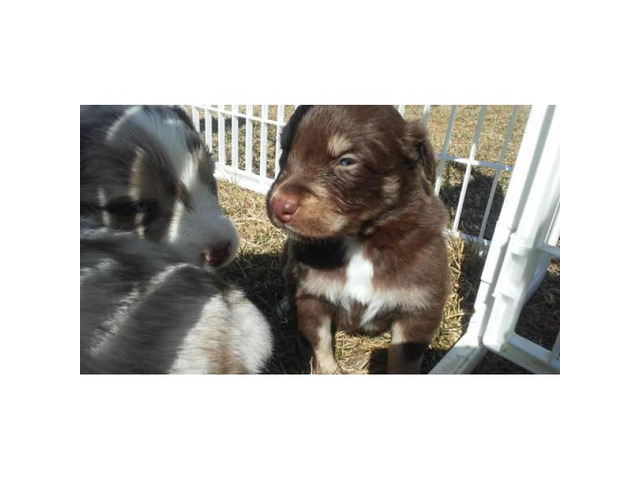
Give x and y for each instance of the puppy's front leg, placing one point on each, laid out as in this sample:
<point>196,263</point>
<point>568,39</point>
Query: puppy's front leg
<point>410,337</point>
<point>314,323</point>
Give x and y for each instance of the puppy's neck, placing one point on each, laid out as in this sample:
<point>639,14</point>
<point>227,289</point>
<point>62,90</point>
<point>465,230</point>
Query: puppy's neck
<point>320,255</point>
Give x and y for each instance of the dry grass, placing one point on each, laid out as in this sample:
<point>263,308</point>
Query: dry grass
<point>257,269</point>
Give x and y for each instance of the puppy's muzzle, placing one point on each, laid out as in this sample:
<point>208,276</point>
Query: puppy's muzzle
<point>217,254</point>
<point>284,206</point>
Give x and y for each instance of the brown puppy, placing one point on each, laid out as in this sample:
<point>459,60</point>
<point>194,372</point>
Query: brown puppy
<point>365,244</point>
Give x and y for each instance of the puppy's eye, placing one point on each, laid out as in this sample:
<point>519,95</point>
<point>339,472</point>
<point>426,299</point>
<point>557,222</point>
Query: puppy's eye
<point>346,162</point>
<point>141,206</point>
<point>129,209</point>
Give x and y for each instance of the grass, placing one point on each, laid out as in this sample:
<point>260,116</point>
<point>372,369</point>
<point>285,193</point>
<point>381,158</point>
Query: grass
<point>257,269</point>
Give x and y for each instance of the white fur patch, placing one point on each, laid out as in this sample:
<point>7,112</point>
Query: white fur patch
<point>102,199</point>
<point>233,324</point>
<point>178,209</point>
<point>359,274</point>
<point>114,323</point>
<point>113,130</point>
<point>358,287</point>
<point>195,352</point>
<point>253,340</point>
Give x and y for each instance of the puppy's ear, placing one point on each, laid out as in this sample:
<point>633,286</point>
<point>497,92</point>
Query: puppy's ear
<point>289,131</point>
<point>419,153</point>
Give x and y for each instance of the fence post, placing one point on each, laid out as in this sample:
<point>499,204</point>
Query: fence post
<point>526,250</point>
<point>470,349</point>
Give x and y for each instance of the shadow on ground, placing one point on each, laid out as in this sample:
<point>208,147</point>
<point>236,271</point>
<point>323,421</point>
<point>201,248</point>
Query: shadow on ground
<point>475,200</point>
<point>259,276</point>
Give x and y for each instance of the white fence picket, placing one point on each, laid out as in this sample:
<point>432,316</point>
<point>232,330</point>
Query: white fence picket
<point>263,141</point>
<point>248,145</point>
<point>278,132</point>
<point>496,175</point>
<point>467,173</point>
<point>445,149</point>
<point>425,115</point>
<point>222,154</point>
<point>207,128</point>
<point>234,137</point>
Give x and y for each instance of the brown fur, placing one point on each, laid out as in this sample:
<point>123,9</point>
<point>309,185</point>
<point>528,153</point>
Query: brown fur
<point>379,201</point>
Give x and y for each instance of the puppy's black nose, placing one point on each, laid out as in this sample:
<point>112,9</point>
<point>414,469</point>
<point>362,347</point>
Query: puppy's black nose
<point>284,206</point>
<point>217,254</point>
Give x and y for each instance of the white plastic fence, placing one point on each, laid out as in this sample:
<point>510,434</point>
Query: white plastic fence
<point>523,243</point>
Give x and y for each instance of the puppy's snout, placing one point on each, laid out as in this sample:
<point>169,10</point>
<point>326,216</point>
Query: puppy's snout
<point>218,254</point>
<point>284,206</point>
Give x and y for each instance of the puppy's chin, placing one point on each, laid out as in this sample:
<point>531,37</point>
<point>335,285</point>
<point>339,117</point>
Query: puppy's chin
<point>199,259</point>
<point>315,235</point>
<point>294,235</point>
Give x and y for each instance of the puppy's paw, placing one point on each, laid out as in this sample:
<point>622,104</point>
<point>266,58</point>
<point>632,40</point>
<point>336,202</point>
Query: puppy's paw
<point>326,368</point>
<point>283,309</point>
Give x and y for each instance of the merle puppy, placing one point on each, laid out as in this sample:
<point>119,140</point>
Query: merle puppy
<point>152,237</point>
<point>144,169</point>
<point>365,246</point>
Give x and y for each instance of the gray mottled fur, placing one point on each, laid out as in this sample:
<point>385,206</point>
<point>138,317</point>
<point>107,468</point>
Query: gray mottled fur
<point>146,303</point>
<point>152,156</point>
<point>145,311</point>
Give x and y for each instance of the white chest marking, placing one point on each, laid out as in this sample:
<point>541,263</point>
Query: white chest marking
<point>359,276</point>
<point>359,286</point>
